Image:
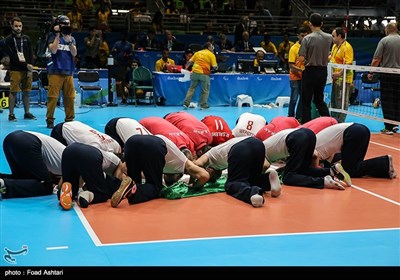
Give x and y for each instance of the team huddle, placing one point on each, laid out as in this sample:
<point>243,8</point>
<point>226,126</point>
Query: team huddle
<point>134,160</point>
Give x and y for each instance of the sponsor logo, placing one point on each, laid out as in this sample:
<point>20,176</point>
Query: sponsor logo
<point>9,255</point>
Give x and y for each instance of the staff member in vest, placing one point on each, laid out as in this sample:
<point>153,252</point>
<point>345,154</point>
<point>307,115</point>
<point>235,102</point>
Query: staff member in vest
<point>342,53</point>
<point>19,49</point>
<point>60,70</point>
<point>202,62</point>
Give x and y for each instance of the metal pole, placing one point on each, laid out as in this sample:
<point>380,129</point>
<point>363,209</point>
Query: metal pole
<point>110,63</point>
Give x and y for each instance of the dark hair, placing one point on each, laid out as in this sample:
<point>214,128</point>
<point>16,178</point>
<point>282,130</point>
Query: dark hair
<point>17,19</point>
<point>303,29</point>
<point>340,31</point>
<point>188,51</point>
<point>316,20</point>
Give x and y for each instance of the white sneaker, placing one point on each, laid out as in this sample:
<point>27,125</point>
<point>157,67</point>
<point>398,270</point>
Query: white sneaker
<point>85,198</point>
<point>392,172</point>
<point>257,200</point>
<point>331,183</point>
<point>276,186</point>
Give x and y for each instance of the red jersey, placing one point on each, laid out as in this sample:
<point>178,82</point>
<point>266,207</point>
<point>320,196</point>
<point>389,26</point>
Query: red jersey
<point>196,130</point>
<point>318,124</point>
<point>157,125</point>
<point>219,129</point>
<point>277,124</point>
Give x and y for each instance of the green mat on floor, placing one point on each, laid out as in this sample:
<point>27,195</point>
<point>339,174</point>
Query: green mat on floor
<point>182,190</point>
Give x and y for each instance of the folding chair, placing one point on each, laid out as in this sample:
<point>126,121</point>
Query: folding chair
<point>142,80</point>
<point>89,81</point>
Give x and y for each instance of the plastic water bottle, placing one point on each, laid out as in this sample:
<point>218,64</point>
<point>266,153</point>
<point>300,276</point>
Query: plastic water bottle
<point>233,68</point>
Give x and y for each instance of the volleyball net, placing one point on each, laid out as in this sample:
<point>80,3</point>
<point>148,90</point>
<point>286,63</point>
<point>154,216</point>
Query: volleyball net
<point>361,95</point>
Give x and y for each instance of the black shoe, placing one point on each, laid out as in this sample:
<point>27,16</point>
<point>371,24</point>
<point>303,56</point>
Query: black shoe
<point>50,124</point>
<point>29,116</point>
<point>12,118</point>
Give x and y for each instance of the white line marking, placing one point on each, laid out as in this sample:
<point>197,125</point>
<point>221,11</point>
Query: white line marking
<point>249,236</point>
<point>57,248</point>
<point>87,226</point>
<point>389,147</point>
<point>376,195</point>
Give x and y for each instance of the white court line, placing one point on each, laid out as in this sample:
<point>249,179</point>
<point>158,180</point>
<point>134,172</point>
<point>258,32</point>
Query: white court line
<point>249,236</point>
<point>57,248</point>
<point>386,146</point>
<point>376,195</point>
<point>87,226</point>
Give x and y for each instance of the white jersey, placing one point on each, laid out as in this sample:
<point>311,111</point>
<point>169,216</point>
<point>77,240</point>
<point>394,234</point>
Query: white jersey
<point>218,155</point>
<point>175,160</point>
<point>248,125</point>
<point>127,127</point>
<point>76,131</point>
<point>330,140</point>
<point>110,162</point>
<point>52,151</point>
<point>275,146</point>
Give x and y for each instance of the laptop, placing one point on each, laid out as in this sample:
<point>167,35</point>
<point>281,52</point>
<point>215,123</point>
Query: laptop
<point>256,49</point>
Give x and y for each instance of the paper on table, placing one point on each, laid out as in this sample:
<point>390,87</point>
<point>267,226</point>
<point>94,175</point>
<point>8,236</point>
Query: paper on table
<point>186,76</point>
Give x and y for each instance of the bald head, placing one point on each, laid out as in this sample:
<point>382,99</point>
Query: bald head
<point>391,27</point>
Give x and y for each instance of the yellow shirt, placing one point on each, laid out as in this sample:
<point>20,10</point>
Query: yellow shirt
<point>161,65</point>
<point>269,48</point>
<point>343,54</point>
<point>284,48</point>
<point>293,58</point>
<point>203,61</point>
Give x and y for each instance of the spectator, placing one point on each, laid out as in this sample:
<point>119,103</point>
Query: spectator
<point>157,23</point>
<point>76,19</point>
<point>92,44</point>
<point>62,47</point>
<point>122,52</point>
<point>241,27</point>
<point>104,51</point>
<point>244,45</point>
<point>103,18</point>
<point>169,41</point>
<point>379,26</point>
<point>19,49</point>
<point>224,44</point>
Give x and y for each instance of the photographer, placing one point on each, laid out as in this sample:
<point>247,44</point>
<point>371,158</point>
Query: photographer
<point>60,69</point>
<point>92,44</point>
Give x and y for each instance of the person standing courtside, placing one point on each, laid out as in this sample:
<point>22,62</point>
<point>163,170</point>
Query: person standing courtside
<point>387,54</point>
<point>314,52</point>
<point>61,69</point>
<point>342,53</point>
<point>203,61</point>
<point>295,75</point>
<point>18,47</point>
